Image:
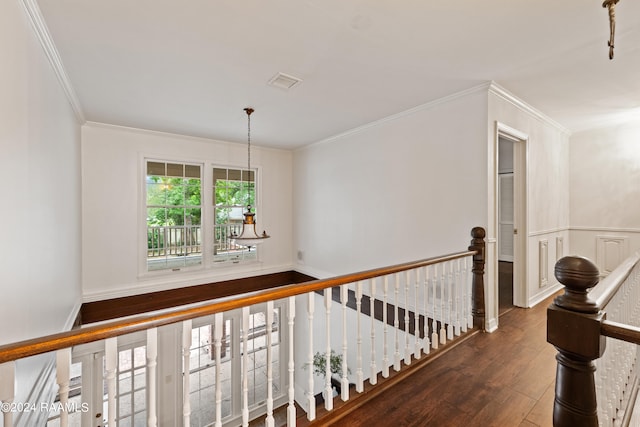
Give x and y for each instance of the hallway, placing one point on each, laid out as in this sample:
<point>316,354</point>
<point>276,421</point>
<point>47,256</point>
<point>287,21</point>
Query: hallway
<point>501,379</point>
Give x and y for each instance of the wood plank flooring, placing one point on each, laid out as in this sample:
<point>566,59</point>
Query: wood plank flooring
<point>501,379</point>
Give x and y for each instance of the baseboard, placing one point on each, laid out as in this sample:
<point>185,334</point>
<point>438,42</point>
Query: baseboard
<point>537,299</point>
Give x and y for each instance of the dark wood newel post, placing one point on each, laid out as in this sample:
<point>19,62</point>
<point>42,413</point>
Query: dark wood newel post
<point>573,327</point>
<point>477,285</point>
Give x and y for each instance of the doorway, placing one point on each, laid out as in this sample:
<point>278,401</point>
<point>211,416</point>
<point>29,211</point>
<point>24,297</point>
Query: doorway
<point>505,225</point>
<point>511,219</point>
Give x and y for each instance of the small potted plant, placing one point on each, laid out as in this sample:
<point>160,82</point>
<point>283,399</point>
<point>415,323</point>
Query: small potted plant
<point>335,365</point>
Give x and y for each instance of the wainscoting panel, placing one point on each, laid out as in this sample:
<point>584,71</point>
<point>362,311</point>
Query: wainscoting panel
<point>543,262</point>
<point>610,252</point>
<point>559,247</point>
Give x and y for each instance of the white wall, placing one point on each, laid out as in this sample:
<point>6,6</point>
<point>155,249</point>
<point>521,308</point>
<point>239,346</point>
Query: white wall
<point>605,194</point>
<point>112,168</point>
<point>40,171</point>
<point>40,254</point>
<point>547,195</point>
<point>402,189</point>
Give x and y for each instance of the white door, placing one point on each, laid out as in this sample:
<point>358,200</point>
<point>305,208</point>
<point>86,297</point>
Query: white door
<point>505,217</point>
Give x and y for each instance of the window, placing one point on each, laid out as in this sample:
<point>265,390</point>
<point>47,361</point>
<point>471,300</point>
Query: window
<point>174,213</point>
<point>202,374</point>
<point>233,190</point>
<point>130,388</point>
<point>202,381</point>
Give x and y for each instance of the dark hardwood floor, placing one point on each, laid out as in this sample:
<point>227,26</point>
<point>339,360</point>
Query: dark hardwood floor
<point>501,379</point>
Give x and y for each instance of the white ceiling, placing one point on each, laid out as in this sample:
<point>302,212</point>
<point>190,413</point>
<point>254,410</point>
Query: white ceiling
<point>190,67</point>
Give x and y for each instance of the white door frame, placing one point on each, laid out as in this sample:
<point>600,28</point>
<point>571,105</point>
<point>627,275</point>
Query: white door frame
<point>520,219</point>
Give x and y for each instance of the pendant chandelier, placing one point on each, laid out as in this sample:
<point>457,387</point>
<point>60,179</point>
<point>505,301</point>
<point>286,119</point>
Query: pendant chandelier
<point>249,237</point>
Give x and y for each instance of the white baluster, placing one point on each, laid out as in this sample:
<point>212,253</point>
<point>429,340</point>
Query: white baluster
<point>396,322</point>
<point>450,301</point>
<point>63,374</point>
<point>417,349</point>
<point>311,401</point>
<point>456,297</point>
<point>426,344</point>
<point>407,336</point>
<point>7,390</point>
<point>443,332</point>
<point>468,283</point>
<point>187,327</point>
<point>328,389</point>
<point>217,345</point>
<point>373,376</point>
<point>359,372</point>
<point>291,409</point>
<point>269,421</point>
<point>385,342</point>
<point>434,320</point>
<point>152,375</point>
<point>111,359</point>
<point>245,365</point>
<point>344,387</point>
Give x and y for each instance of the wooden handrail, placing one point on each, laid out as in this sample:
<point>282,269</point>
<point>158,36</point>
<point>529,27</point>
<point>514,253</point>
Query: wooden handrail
<point>45,344</point>
<point>609,286</point>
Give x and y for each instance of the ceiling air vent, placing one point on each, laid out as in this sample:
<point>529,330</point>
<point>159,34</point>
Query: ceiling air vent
<point>284,81</point>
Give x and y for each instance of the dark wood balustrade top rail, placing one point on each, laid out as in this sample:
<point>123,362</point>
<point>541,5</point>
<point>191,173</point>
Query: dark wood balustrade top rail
<point>32,347</point>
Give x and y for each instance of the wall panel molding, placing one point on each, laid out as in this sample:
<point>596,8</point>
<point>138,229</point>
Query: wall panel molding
<point>610,252</point>
<point>543,262</point>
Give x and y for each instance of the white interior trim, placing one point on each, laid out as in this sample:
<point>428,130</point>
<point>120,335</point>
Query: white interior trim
<point>42,33</point>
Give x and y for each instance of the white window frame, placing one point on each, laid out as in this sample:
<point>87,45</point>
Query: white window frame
<point>207,215</point>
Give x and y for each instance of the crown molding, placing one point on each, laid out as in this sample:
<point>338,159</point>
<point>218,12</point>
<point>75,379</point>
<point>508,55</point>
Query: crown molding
<point>501,92</point>
<point>42,33</point>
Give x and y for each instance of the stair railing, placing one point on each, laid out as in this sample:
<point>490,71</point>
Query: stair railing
<point>593,386</point>
<point>430,302</point>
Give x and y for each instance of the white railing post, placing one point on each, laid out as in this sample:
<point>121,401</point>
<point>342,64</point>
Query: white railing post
<point>434,319</point>
<point>344,387</point>
<point>269,421</point>
<point>291,409</point>
<point>7,390</point>
<point>328,389</point>
<point>311,400</point>
<point>359,373</point>
<point>457,287</point>
<point>111,360</point>
<point>245,364</point>
<point>186,367</point>
<point>426,344</point>
<point>417,350</point>
<point>407,336</point>
<point>450,301</point>
<point>469,292</point>
<point>385,343</point>
<point>396,322</point>
<point>63,374</point>
<point>373,376</point>
<point>443,331</point>
<point>217,345</point>
<point>152,374</point>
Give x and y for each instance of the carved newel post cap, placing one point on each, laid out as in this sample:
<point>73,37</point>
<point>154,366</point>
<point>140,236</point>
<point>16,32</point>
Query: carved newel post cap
<point>578,275</point>
<point>478,233</point>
